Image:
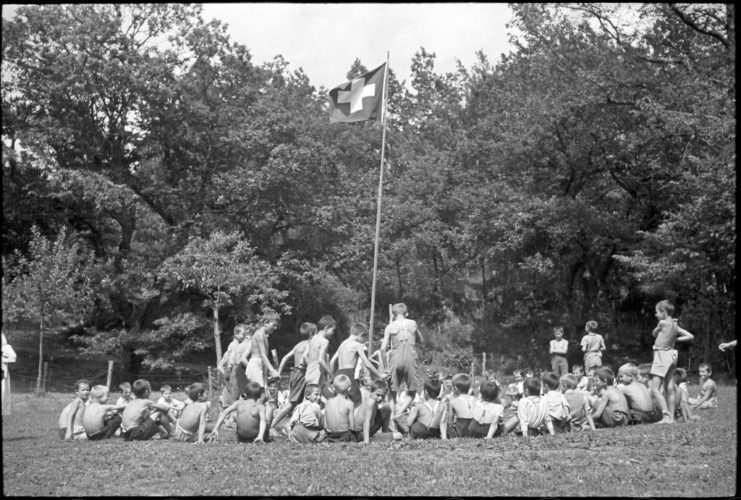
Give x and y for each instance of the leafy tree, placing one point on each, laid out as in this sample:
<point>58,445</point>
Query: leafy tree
<point>49,286</point>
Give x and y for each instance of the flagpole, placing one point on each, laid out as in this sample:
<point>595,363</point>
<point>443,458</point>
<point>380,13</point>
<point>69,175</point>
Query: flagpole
<point>378,211</point>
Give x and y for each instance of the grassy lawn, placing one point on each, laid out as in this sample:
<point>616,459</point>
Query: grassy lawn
<point>696,459</point>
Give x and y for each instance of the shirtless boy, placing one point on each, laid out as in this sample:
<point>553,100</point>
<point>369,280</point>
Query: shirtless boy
<point>351,349</point>
<point>192,424</point>
<point>251,422</point>
<point>101,420</point>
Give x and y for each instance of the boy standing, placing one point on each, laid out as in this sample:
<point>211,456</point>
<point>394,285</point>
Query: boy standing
<point>666,333</point>
<point>592,344</point>
<point>558,348</point>
<point>259,363</point>
<point>143,418</point>
<point>708,397</point>
<point>70,420</point>
<point>401,336</point>
<point>350,351</point>
<point>250,420</point>
<point>307,420</point>
<point>612,409</point>
<point>297,381</point>
<point>101,420</point>
<point>317,369</point>
<point>191,425</point>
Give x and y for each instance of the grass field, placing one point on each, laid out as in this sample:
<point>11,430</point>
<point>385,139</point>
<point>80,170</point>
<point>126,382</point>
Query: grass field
<point>696,459</point>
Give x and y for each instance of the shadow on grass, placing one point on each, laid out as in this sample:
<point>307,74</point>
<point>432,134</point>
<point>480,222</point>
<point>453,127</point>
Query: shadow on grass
<point>19,438</point>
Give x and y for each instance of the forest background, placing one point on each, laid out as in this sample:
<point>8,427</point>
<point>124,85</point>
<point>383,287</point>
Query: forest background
<point>159,187</point>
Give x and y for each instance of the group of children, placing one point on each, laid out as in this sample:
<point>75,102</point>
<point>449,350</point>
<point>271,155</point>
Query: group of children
<point>354,403</point>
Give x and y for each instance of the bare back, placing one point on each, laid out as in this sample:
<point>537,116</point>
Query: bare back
<point>248,418</point>
<point>93,418</point>
<point>402,330</point>
<point>316,345</point>
<point>337,414</point>
<point>190,419</point>
<point>347,354</point>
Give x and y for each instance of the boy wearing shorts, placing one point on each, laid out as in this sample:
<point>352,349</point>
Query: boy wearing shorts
<point>143,418</point>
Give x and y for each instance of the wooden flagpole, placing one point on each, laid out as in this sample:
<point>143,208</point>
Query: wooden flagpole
<point>378,210</point>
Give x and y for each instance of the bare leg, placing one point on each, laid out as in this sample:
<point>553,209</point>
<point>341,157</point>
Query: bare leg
<point>656,386</point>
<point>671,392</point>
<point>510,425</point>
<point>282,413</point>
<point>409,400</point>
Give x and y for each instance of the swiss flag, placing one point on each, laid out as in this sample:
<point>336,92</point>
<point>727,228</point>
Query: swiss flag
<point>359,99</point>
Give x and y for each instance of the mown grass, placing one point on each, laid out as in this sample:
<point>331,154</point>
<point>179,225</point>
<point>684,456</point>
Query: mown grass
<point>696,459</point>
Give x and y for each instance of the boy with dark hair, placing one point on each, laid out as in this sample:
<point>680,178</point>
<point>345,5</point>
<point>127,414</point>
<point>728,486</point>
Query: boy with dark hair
<point>192,424</point>
<point>424,420</point>
<point>458,412</point>
<point>558,405</point>
<point>250,419</point>
<point>640,404</point>
<point>143,418</point>
<point>708,397</point>
<point>317,369</point>
<point>533,418</point>
<point>371,416</point>
<point>348,353</point>
<point>580,411</point>
<point>612,408</point>
<point>487,412</point>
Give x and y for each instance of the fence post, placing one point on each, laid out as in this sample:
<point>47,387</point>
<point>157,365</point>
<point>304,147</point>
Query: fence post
<point>484,362</point>
<point>46,373</point>
<point>210,382</point>
<point>110,374</point>
<point>473,362</point>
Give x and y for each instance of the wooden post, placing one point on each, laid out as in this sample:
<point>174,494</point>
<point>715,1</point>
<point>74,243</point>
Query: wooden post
<point>473,362</point>
<point>210,383</point>
<point>46,373</point>
<point>110,374</point>
<point>484,363</point>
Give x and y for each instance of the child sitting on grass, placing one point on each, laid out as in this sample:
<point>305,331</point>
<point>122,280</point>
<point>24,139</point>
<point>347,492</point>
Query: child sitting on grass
<point>641,407</point>
<point>424,420</point>
<point>175,405</point>
<point>250,421</point>
<point>682,395</point>
<point>371,416</point>
<point>307,421</point>
<point>126,396</point>
<point>70,420</point>
<point>458,411</point>
<point>192,423</point>
<point>708,397</point>
<point>339,412</point>
<point>612,409</point>
<point>580,411</point>
<point>558,405</point>
<point>581,378</point>
<point>101,420</point>
<point>533,418</point>
<point>487,412</point>
<point>143,418</point>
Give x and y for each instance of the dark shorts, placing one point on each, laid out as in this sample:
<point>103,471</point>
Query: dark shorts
<point>477,430</point>
<point>109,429</point>
<point>142,432</point>
<point>342,437</point>
<point>459,428</point>
<point>296,385</point>
<point>354,394</point>
<point>644,417</point>
<point>403,364</point>
<point>420,431</point>
<point>561,426</point>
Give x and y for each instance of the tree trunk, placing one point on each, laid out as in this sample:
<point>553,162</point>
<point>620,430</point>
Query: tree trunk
<point>217,334</point>
<point>41,354</point>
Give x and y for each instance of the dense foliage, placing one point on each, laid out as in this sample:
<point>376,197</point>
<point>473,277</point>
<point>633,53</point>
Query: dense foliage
<point>585,175</point>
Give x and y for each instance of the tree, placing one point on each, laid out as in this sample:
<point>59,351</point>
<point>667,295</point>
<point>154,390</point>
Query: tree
<point>49,287</point>
<point>220,267</point>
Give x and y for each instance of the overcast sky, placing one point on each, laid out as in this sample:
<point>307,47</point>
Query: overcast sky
<point>325,39</point>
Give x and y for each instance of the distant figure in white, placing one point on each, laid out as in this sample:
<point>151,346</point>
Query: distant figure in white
<point>8,357</point>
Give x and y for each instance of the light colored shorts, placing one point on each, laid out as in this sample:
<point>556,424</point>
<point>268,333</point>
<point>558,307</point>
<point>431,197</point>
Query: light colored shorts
<point>664,360</point>
<point>255,372</point>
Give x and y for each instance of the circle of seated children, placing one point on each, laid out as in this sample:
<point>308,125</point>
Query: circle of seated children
<point>354,405</point>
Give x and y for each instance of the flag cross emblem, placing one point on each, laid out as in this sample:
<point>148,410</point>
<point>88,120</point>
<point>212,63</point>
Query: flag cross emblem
<point>355,95</point>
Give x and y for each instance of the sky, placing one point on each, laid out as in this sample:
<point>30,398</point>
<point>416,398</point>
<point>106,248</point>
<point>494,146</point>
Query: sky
<point>325,39</point>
